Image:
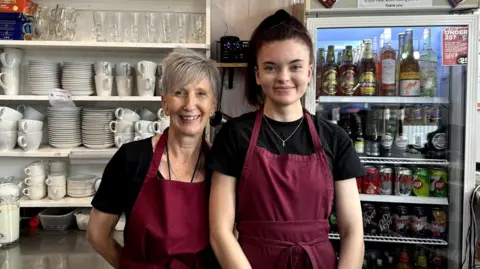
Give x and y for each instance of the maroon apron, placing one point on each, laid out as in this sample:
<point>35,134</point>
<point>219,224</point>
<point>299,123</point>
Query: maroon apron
<point>283,206</point>
<point>168,226</point>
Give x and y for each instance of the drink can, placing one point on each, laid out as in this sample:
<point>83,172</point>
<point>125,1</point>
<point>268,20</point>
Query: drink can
<point>371,181</point>
<point>385,220</point>
<point>438,223</point>
<point>386,184</point>
<point>438,182</point>
<point>403,181</point>
<point>369,219</point>
<point>401,221</point>
<point>434,114</point>
<point>419,222</point>
<point>360,184</point>
<point>421,182</point>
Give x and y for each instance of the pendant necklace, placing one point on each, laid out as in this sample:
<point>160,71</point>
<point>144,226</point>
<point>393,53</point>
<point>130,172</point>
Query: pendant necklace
<point>284,141</point>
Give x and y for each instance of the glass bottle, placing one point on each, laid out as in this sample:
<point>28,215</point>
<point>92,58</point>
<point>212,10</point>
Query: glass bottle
<point>388,59</point>
<point>387,133</point>
<point>378,63</point>
<point>339,58</point>
<point>404,262</point>
<point>9,217</point>
<point>428,66</point>
<point>330,73</point>
<point>401,52</point>
<point>401,140</point>
<point>347,74</point>
<point>320,63</point>
<point>367,71</point>
<point>409,84</point>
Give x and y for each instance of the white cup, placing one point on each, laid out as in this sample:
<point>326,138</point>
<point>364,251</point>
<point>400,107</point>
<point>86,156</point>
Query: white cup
<point>8,140</point>
<point>56,180</point>
<point>103,68</point>
<point>144,126</point>
<point>123,138</point>
<point>10,80</point>
<point>145,85</point>
<point>58,167</point>
<point>126,114</point>
<point>35,169</point>
<point>7,113</point>
<point>8,126</point>
<point>30,126</point>
<point>29,113</point>
<point>35,192</point>
<point>121,126</point>
<point>11,57</point>
<point>124,85</point>
<point>104,85</point>
<point>123,69</point>
<point>160,126</point>
<point>57,192</point>
<point>30,141</point>
<point>35,180</point>
<point>139,136</point>
<point>146,114</point>
<point>146,68</point>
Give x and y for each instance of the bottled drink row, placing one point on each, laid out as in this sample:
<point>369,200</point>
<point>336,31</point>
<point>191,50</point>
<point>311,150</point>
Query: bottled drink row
<point>401,221</point>
<point>377,69</point>
<point>414,131</point>
<point>404,181</point>
<point>414,257</point>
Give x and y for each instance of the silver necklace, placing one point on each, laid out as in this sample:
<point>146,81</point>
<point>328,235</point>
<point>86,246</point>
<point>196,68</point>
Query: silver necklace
<point>284,141</point>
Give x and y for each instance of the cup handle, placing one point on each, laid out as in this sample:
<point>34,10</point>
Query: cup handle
<point>160,114</point>
<point>119,140</point>
<point>141,68</point>
<point>112,128</point>
<point>26,192</point>
<point>156,127</point>
<point>106,82</point>
<point>23,126</point>
<point>48,181</point>
<point>148,85</point>
<point>105,68</point>
<point>136,138</point>
<point>138,126</point>
<point>3,59</point>
<point>119,113</point>
<point>27,171</point>
<point>21,141</point>
<point>2,75</point>
<point>22,108</point>
<point>26,180</point>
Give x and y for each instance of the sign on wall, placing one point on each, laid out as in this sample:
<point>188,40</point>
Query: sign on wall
<point>394,3</point>
<point>454,46</point>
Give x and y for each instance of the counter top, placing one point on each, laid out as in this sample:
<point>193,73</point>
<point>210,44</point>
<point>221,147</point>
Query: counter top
<point>46,250</point>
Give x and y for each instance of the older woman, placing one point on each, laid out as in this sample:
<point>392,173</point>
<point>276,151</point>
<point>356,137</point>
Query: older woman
<point>160,183</point>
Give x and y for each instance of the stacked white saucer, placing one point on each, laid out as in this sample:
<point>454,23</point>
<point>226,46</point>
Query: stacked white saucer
<point>78,78</point>
<point>64,127</point>
<point>43,76</point>
<point>96,133</point>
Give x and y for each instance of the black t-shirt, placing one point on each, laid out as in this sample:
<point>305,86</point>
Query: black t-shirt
<point>231,144</point>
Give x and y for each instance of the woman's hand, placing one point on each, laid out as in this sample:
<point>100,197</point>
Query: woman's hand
<point>99,235</point>
<point>350,224</point>
<point>222,222</point>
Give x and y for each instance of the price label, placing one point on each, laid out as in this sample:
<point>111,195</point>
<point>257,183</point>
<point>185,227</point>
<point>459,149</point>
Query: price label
<point>60,98</point>
<point>390,4</point>
<point>455,46</point>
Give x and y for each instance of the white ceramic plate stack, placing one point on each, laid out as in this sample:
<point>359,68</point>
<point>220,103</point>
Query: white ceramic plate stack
<point>64,127</point>
<point>43,76</point>
<point>81,185</point>
<point>78,78</point>
<point>96,133</point>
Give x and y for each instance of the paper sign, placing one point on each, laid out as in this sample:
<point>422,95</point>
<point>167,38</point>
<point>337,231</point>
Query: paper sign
<point>60,98</point>
<point>394,3</point>
<point>454,46</point>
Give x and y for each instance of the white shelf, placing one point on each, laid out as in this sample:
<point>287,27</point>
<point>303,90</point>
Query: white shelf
<point>382,100</point>
<point>92,45</point>
<point>390,160</point>
<point>403,199</point>
<point>84,98</point>
<point>47,152</point>
<point>395,239</point>
<point>65,202</point>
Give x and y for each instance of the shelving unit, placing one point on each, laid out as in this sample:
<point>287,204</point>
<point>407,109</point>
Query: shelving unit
<point>51,152</point>
<point>396,239</point>
<point>381,100</point>
<point>84,98</point>
<point>65,202</point>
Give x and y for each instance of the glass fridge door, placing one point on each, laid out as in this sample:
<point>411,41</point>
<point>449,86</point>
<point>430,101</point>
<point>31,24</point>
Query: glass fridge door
<point>403,94</point>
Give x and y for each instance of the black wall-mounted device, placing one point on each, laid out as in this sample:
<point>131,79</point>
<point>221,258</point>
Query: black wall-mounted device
<point>233,50</point>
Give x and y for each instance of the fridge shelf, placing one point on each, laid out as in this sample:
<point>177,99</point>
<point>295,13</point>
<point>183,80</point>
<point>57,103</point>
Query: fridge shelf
<point>404,199</point>
<point>396,239</point>
<point>381,100</point>
<point>390,160</point>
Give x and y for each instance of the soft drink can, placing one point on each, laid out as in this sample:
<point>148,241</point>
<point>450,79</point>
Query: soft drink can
<point>421,182</point>
<point>371,181</point>
<point>438,182</point>
<point>438,223</point>
<point>369,219</point>
<point>386,180</point>
<point>403,181</point>
<point>401,221</point>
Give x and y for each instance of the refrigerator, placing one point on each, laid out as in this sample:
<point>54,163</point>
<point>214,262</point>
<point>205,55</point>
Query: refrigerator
<point>409,109</point>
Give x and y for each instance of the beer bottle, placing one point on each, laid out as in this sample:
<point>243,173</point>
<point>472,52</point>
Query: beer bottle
<point>409,69</point>
<point>401,140</point>
<point>404,262</point>
<point>358,140</point>
<point>330,73</point>
<point>347,74</point>
<point>386,134</point>
<point>320,63</point>
<point>421,262</point>
<point>367,71</point>
<point>372,146</point>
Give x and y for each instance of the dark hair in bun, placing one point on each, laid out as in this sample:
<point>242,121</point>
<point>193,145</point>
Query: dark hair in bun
<point>277,27</point>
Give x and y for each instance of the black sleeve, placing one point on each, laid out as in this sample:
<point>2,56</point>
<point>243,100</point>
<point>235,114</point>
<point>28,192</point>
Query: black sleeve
<point>346,163</point>
<point>111,194</point>
<point>223,156</point>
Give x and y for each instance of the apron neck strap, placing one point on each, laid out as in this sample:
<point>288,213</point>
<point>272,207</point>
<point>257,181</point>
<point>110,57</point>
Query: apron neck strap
<point>157,155</point>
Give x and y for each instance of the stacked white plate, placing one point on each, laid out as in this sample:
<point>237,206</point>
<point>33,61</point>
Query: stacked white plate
<point>64,127</point>
<point>43,76</point>
<point>95,131</point>
<point>78,78</point>
<point>81,185</point>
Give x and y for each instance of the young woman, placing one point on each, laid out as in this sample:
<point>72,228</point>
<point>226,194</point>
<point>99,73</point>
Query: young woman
<point>277,170</point>
<point>160,183</point>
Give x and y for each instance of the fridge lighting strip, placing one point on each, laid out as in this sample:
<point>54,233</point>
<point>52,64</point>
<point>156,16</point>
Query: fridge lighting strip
<point>381,160</point>
<point>395,239</point>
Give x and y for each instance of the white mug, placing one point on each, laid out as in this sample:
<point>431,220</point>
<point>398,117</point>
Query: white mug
<point>8,140</point>
<point>146,114</point>
<point>121,126</point>
<point>58,167</point>
<point>30,113</point>
<point>123,69</point>
<point>11,57</point>
<point>57,192</point>
<point>35,180</point>
<point>35,169</point>
<point>103,84</point>
<point>124,85</point>
<point>10,81</point>
<point>35,192</point>
<point>30,126</point>
<point>8,126</point>
<point>7,113</point>
<point>56,180</point>
<point>126,114</point>
<point>123,138</point>
<point>30,141</point>
<point>144,126</point>
<point>146,68</point>
<point>103,68</point>
<point>145,85</point>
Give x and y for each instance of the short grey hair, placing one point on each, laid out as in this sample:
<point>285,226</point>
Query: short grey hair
<point>184,66</point>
